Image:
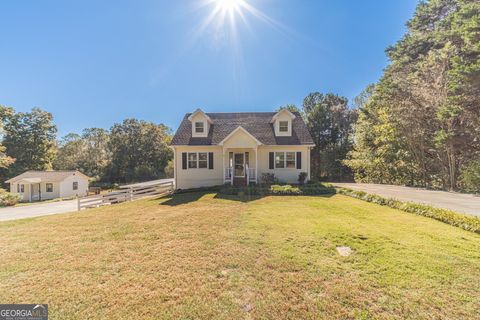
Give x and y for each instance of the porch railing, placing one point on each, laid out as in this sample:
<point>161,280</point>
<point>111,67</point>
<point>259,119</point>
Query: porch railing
<point>250,174</point>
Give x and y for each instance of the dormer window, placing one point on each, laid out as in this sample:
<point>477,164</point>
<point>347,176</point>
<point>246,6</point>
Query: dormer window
<point>199,127</point>
<point>201,123</point>
<point>283,126</point>
<point>283,122</point>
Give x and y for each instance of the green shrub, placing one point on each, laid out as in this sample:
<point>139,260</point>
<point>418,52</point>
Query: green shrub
<point>470,177</point>
<point>465,222</point>
<point>279,189</point>
<point>7,199</point>
<point>301,177</point>
<point>267,178</point>
<point>284,190</point>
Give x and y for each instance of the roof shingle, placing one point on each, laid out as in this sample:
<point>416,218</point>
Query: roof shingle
<point>45,176</point>
<point>256,123</point>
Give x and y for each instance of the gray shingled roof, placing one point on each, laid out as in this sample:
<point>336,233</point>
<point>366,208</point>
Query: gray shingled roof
<point>256,123</point>
<point>45,176</point>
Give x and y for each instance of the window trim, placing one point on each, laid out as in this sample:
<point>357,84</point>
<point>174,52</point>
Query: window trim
<point>197,160</point>
<point>47,189</point>
<point>280,126</point>
<point>75,185</point>
<point>285,160</point>
<point>202,127</point>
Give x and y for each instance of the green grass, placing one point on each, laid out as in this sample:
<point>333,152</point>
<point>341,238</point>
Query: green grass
<point>207,256</point>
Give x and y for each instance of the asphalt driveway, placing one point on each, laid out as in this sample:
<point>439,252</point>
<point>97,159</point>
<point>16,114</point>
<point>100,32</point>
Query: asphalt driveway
<point>460,202</point>
<point>36,210</point>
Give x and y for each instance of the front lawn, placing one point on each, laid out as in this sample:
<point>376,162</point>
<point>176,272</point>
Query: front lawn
<point>208,256</point>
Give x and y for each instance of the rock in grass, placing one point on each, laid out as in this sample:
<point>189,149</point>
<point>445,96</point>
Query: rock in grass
<point>344,251</point>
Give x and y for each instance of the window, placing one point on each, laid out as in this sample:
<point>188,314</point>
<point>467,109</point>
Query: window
<point>202,160</point>
<point>20,188</point>
<point>199,127</point>
<point>280,160</point>
<point>283,126</point>
<point>75,185</point>
<point>290,160</point>
<point>49,187</point>
<point>285,160</point>
<point>192,161</point>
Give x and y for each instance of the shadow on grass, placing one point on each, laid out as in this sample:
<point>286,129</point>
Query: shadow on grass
<point>182,198</point>
<point>188,197</point>
<point>241,198</point>
<point>249,197</point>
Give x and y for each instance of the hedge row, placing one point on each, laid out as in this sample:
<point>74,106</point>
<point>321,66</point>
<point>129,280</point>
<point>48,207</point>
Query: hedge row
<point>469,223</point>
<point>280,190</point>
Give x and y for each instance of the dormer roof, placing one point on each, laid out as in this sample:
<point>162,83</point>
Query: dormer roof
<point>197,112</point>
<point>288,112</point>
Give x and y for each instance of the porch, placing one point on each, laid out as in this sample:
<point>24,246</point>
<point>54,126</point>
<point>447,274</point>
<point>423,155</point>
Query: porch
<point>240,166</point>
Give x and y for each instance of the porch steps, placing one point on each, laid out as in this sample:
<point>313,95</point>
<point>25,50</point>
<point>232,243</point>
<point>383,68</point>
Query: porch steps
<point>240,182</point>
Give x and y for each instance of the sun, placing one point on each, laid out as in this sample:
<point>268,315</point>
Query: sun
<point>229,5</point>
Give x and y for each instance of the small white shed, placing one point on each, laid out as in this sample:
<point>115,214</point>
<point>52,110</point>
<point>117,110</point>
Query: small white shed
<point>46,185</point>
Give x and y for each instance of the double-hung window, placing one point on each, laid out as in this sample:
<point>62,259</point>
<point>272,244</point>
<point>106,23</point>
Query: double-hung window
<point>49,187</point>
<point>285,160</point>
<point>290,160</point>
<point>75,185</point>
<point>20,188</point>
<point>279,160</point>
<point>283,126</point>
<point>199,127</point>
<point>192,160</point>
<point>197,160</point>
<point>202,160</point>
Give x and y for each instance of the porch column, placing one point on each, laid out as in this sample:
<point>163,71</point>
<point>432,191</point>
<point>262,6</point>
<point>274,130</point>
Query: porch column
<point>223,164</point>
<point>256,164</point>
<point>30,191</point>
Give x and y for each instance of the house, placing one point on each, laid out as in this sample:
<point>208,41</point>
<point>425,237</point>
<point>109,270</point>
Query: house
<point>46,185</point>
<point>217,148</point>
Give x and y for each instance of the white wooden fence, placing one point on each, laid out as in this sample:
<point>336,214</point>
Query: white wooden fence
<point>127,194</point>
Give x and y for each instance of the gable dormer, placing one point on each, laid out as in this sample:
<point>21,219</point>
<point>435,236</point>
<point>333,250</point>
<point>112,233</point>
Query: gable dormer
<point>200,124</point>
<point>282,123</point>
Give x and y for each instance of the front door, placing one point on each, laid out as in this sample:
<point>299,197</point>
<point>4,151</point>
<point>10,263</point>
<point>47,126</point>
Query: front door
<point>239,164</point>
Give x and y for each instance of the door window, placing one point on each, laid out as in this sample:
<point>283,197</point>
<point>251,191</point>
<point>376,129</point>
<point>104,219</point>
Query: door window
<point>239,163</point>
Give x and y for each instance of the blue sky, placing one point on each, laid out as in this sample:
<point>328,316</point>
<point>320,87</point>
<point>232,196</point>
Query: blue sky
<point>93,63</point>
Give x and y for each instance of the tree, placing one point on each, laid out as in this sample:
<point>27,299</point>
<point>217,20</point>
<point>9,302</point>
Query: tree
<point>420,126</point>
<point>330,122</point>
<point>5,161</point>
<point>29,138</point>
<point>290,107</point>
<point>88,153</point>
<point>139,150</point>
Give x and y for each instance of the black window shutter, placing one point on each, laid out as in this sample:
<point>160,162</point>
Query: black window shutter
<point>299,160</point>
<point>271,160</point>
<point>184,160</point>
<point>210,160</point>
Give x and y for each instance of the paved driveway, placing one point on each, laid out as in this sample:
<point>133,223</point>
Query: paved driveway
<point>465,203</point>
<point>36,210</point>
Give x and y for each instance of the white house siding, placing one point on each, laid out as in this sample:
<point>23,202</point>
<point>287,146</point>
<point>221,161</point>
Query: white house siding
<point>195,178</point>
<point>24,196</point>
<point>283,175</point>
<point>47,195</point>
<point>66,187</point>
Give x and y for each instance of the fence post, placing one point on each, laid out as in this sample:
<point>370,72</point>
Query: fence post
<point>78,203</point>
<point>131,193</point>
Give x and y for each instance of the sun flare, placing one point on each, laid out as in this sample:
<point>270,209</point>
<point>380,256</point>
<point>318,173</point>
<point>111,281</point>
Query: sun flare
<point>229,5</point>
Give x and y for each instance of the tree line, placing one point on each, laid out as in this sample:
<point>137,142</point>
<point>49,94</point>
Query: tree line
<point>133,150</point>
